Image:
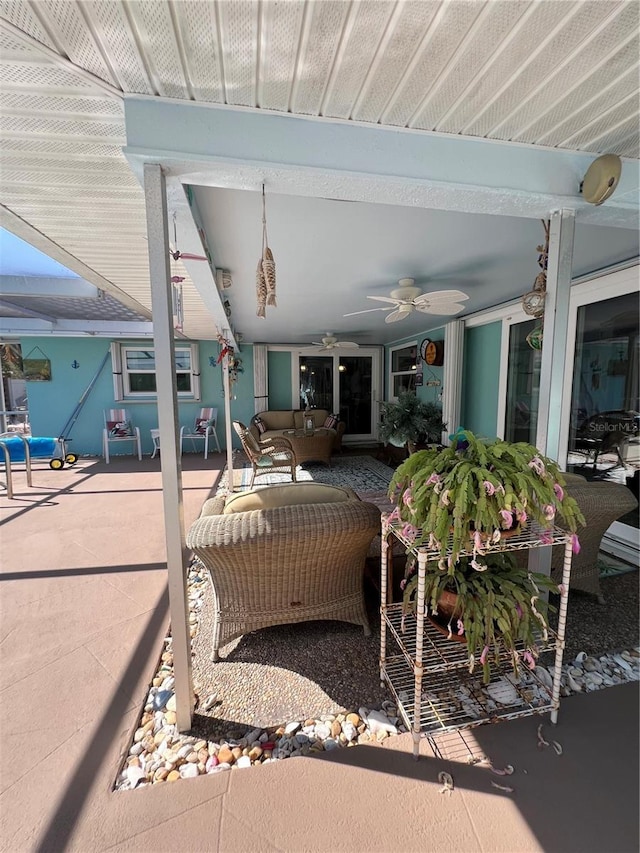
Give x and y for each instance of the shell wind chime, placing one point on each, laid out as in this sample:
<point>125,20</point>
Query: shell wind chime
<point>533,301</point>
<point>266,271</point>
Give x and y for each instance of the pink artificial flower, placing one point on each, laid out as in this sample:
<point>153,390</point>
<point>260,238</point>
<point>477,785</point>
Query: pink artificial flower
<point>500,489</point>
<point>394,515</point>
<point>483,656</point>
<point>529,659</point>
<point>409,531</point>
<point>407,497</point>
<point>507,517</point>
<point>489,488</point>
<point>460,628</point>
<point>546,537</point>
<point>562,589</point>
<point>479,567</point>
<point>495,537</point>
<point>444,497</point>
<point>477,543</point>
<point>434,478</point>
<point>538,465</point>
<point>521,515</point>
<point>519,611</point>
<point>557,488</point>
<point>442,564</point>
<point>549,512</point>
<point>403,583</point>
<point>575,543</point>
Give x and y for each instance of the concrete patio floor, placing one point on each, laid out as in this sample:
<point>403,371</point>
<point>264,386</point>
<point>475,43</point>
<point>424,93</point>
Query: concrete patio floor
<point>83,613</point>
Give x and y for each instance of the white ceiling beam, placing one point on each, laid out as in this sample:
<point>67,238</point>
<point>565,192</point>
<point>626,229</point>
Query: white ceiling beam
<point>241,149</point>
<point>106,328</point>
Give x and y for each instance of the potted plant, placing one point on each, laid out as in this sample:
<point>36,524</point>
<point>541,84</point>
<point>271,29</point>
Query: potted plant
<point>469,497</point>
<point>476,491</point>
<point>410,421</point>
<point>495,610</point>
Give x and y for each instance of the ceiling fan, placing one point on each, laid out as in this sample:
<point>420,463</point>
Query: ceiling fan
<point>408,298</point>
<point>330,342</point>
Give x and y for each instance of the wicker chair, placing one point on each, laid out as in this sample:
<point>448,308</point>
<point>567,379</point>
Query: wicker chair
<point>276,454</point>
<point>284,564</point>
<point>601,503</point>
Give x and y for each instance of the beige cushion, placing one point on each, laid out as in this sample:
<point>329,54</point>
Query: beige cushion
<point>290,494</point>
<point>277,419</point>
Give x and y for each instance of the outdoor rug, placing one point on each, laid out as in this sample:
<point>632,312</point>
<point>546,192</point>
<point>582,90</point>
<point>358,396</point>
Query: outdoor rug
<point>360,473</point>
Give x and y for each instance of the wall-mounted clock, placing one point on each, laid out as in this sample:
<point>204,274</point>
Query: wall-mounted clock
<point>432,352</point>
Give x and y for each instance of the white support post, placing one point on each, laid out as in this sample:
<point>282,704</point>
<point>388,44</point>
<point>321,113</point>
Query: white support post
<point>556,321</point>
<point>452,377</point>
<point>552,366</point>
<point>226,384</point>
<point>168,422</point>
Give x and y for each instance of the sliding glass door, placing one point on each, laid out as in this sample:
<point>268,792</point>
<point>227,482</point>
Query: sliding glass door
<point>345,384</point>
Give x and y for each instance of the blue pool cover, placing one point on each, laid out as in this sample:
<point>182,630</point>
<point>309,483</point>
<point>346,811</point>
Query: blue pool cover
<point>39,448</point>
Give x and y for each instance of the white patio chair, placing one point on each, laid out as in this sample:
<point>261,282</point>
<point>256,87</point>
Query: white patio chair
<point>203,427</point>
<point>118,428</point>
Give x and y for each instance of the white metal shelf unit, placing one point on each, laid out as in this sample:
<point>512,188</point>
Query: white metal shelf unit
<point>429,676</point>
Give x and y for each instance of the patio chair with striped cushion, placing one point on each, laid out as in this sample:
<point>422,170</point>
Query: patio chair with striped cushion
<point>118,428</point>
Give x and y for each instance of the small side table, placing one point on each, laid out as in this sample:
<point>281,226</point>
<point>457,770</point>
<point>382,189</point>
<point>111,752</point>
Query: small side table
<point>155,438</point>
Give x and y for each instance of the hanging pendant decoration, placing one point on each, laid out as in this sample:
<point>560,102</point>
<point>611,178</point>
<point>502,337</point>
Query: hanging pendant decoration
<point>533,302</point>
<point>266,271</point>
<point>261,291</point>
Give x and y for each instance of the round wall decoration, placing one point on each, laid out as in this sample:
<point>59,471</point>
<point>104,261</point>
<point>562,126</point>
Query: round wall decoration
<point>432,352</point>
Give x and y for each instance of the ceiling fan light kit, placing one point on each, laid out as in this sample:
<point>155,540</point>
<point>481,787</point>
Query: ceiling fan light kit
<point>330,342</point>
<point>408,298</point>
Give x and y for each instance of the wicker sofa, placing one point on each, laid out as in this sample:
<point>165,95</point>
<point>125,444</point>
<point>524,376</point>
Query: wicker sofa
<point>280,422</point>
<point>284,554</point>
<point>601,503</point>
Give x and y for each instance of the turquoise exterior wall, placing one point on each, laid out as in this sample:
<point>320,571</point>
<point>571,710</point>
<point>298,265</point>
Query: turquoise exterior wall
<point>480,378</point>
<point>52,403</point>
<point>279,377</point>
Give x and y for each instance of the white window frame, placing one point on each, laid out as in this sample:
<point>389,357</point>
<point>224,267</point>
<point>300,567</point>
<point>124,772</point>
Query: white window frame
<point>393,373</point>
<point>121,388</point>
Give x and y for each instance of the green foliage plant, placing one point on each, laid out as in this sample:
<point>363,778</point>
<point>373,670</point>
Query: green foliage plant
<point>469,494</point>
<point>498,611</point>
<point>409,421</point>
<point>464,498</point>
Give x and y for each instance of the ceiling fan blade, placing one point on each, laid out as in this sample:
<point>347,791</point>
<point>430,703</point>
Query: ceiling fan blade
<point>441,308</point>
<point>440,295</point>
<point>398,314</point>
<point>384,299</point>
<point>367,311</point>
<point>348,345</point>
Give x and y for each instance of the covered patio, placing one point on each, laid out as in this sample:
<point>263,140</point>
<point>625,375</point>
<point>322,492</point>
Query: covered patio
<point>389,140</point>
<point>84,614</point>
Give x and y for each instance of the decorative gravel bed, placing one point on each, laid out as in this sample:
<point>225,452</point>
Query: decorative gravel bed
<point>299,690</point>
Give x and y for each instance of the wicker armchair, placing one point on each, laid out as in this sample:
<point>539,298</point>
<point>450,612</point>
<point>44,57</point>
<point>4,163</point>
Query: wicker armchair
<point>284,564</point>
<point>601,503</point>
<point>276,454</point>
